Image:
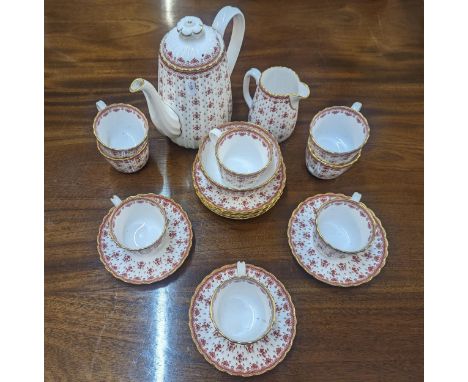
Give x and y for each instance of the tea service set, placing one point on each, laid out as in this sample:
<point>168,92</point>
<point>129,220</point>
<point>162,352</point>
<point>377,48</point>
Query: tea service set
<point>241,317</point>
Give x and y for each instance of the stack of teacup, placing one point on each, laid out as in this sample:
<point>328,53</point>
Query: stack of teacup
<point>121,132</point>
<point>336,137</point>
<point>240,160</point>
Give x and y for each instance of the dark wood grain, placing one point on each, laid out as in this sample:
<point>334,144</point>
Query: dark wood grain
<point>98,328</point>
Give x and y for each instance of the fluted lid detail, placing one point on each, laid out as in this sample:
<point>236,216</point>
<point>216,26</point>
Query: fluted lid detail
<point>191,45</point>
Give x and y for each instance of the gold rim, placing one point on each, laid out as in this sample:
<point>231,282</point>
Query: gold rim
<point>272,304</point>
<point>127,200</point>
<point>312,125</point>
<point>293,315</point>
<point>114,105</point>
<point>184,255</point>
<point>281,95</point>
<point>363,207</point>
<point>123,158</point>
<point>332,165</point>
<point>303,266</point>
<point>258,129</point>
<point>233,214</point>
<point>234,130</point>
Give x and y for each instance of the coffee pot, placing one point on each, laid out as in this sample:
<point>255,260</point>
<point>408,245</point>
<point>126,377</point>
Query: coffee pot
<point>194,71</point>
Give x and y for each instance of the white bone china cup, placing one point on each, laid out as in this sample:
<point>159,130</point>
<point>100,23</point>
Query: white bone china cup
<point>121,130</point>
<point>344,226</point>
<point>338,133</point>
<point>242,309</point>
<point>243,155</point>
<point>137,223</point>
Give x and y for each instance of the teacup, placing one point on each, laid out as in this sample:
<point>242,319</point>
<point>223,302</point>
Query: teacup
<point>137,224</point>
<point>242,309</point>
<point>130,164</point>
<point>344,226</point>
<point>276,100</point>
<point>338,133</point>
<point>121,130</point>
<point>243,156</point>
<point>323,169</point>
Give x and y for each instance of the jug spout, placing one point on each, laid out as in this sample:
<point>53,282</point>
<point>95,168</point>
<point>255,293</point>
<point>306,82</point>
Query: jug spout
<point>164,118</point>
<point>303,91</point>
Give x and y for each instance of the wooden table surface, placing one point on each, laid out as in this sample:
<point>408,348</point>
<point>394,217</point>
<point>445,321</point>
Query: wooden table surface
<point>98,328</point>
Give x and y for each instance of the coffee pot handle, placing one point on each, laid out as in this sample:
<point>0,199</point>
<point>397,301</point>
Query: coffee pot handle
<point>254,73</point>
<point>222,19</point>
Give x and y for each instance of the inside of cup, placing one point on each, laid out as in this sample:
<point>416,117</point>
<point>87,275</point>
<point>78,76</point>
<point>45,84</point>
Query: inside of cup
<point>244,151</point>
<point>242,310</point>
<point>120,127</point>
<point>345,226</point>
<point>339,130</point>
<point>138,224</point>
<point>280,81</point>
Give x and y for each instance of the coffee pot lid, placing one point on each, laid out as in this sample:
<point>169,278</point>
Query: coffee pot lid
<point>191,46</point>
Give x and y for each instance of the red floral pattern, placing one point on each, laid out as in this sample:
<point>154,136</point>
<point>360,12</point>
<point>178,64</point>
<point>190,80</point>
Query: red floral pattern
<point>238,201</point>
<point>202,100</point>
<point>130,165</point>
<point>156,265</point>
<point>320,170</point>
<point>236,359</point>
<point>347,270</point>
<point>273,113</point>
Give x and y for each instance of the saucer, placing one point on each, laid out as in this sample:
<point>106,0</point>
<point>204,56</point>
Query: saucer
<point>209,164</point>
<point>237,204</point>
<point>230,357</point>
<point>157,264</point>
<point>346,270</point>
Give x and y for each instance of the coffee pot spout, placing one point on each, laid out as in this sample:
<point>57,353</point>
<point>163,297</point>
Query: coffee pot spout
<point>164,118</point>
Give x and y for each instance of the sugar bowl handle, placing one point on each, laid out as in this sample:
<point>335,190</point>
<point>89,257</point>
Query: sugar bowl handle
<point>100,105</point>
<point>241,269</point>
<point>116,201</point>
<point>255,74</point>
<point>356,197</point>
<point>357,106</point>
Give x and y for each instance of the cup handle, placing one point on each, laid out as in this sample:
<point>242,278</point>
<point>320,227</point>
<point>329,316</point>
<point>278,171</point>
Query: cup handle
<point>241,269</point>
<point>214,135</point>
<point>357,106</point>
<point>356,197</point>
<point>100,105</point>
<point>116,201</point>
<point>255,73</point>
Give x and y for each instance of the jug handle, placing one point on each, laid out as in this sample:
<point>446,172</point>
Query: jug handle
<point>255,74</point>
<point>222,19</point>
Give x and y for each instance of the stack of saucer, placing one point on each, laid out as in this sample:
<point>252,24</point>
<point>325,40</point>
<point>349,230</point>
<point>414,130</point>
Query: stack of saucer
<point>337,135</point>
<point>259,175</point>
